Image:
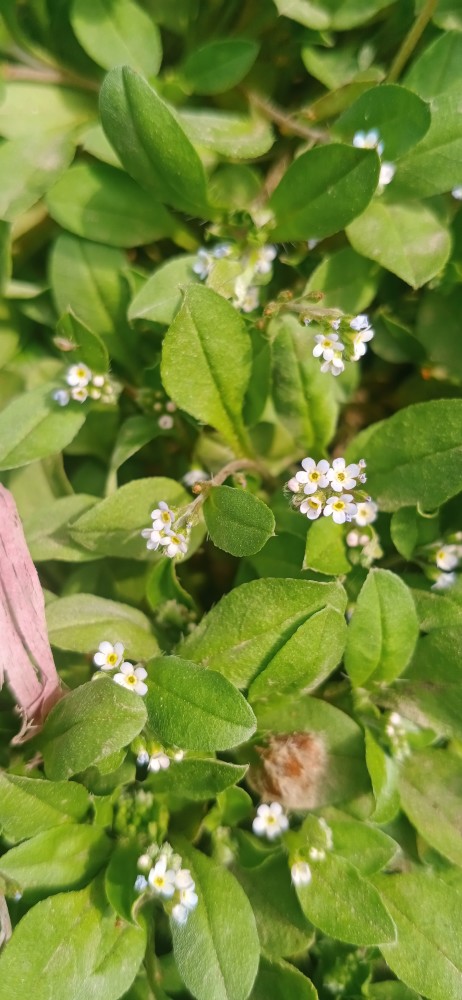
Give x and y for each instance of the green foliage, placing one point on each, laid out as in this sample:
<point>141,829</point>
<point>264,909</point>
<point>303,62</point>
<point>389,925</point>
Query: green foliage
<point>230,740</point>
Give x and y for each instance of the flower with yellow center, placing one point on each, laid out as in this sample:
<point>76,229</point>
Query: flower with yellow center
<point>78,375</point>
<point>162,879</point>
<point>270,821</point>
<point>327,347</point>
<point>312,507</point>
<point>162,517</point>
<point>109,656</point>
<point>314,476</point>
<point>341,476</point>
<point>340,508</point>
<point>132,678</point>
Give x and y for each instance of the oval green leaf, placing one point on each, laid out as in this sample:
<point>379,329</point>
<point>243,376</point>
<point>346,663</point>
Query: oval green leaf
<point>81,621</point>
<point>31,805</point>
<point>114,32</point>
<point>33,426</point>
<point>383,630</point>
<point>237,521</point>
<point>66,857</point>
<point>400,117</point>
<point>218,65</point>
<point>408,240</point>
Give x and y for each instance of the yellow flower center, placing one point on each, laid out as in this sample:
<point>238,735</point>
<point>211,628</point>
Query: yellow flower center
<point>81,373</point>
<point>341,476</point>
<point>159,881</point>
<point>339,505</point>
<point>327,343</point>
<point>112,658</point>
<point>165,517</point>
<point>314,504</point>
<point>131,679</point>
<point>314,476</point>
<point>271,820</point>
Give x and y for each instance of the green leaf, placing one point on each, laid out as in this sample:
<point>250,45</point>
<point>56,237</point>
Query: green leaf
<point>195,709</point>
<point>206,361</point>
<point>433,693</point>
<point>406,453</point>
<point>428,954</point>
<point>29,109</point>
<point>438,67</point>
<point>81,621</point>
<point>391,990</point>
<point>196,779</point>
<point>400,117</point>
<point>347,281</point>
<point>29,806</point>
<point>66,857</point>
<point>33,426</point>
<point>239,137</point>
<point>150,142</point>
<point>114,525</point>
<point>101,203</point>
<point>408,240</point>
<point>325,550</point>
<point>133,435</point>
<point>437,331</point>
<point>345,905</point>
<point>282,928</point>
<point>71,945</point>
<point>47,533</point>
<point>337,14</point>
<point>88,725</point>
<point>113,32</point>
<point>323,190</point>
<point>367,848</point>
<point>447,15</point>
<point>433,166</point>
<point>383,772</point>
<point>160,297</point>
<point>218,65</point>
<point>88,345</point>
<point>281,981</point>
<point>383,630</point>
<point>290,670</point>
<point>237,521</point>
<point>28,167</point>
<point>431,791</point>
<point>304,402</point>
<point>250,626</point>
<point>217,950</point>
<point>119,879</point>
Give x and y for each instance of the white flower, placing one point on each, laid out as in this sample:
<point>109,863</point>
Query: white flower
<point>178,756</point>
<point>270,821</point>
<point>61,397</point>
<point>188,897</point>
<point>312,507</point>
<point>153,538</point>
<point>366,513</point>
<point>221,250</point>
<point>294,485</point>
<point>457,193</point>
<point>98,381</point>
<point>327,346</point>
<point>361,338</point>
<point>444,580</point>
<point>78,375</point>
<point>162,516</point>
<point>387,173</point>
<point>132,678</point>
<point>314,476</point>
<point>264,258</point>
<point>145,863</point>
<point>335,323</point>
<point>335,367</point>
<point>341,476</point>
<point>79,393</point>
<point>174,545</point>
<point>165,422</point>
<point>159,762</point>
<point>195,476</point>
<point>369,140</point>
<point>184,879</point>
<point>109,656</point>
<point>180,914</point>
<point>140,883</point>
<point>245,298</point>
<point>142,758</point>
<point>447,557</point>
<point>360,322</point>
<point>341,508</point>
<point>352,539</point>
<point>317,854</point>
<point>300,873</point>
<point>162,879</point>
<point>203,264</point>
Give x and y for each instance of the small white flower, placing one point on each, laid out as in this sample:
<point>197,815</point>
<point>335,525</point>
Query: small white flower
<point>395,719</point>
<point>369,140</point>
<point>165,422</point>
<point>162,879</point>
<point>317,854</point>
<point>360,322</point>
<point>270,821</point>
<point>245,298</point>
<point>142,758</point>
<point>294,485</point>
<point>132,678</point>
<point>140,883</point>
<point>361,338</point>
<point>457,193</point>
<point>314,476</point>
<point>184,879</point>
<point>341,508</point>
<point>447,557</point>
<point>145,863</point>
<point>174,545</point>
<point>162,516</point>
<point>153,536</point>
<point>341,476</point>
<point>109,656</point>
<point>444,580</point>
<point>203,264</point>
<point>78,375</point>
<point>180,914</point>
<point>98,381</point>
<point>188,897</point>
<point>61,397</point>
<point>335,324</point>
<point>387,173</point>
<point>366,513</point>
<point>195,476</point>
<point>300,873</point>
<point>178,756</point>
<point>79,393</point>
<point>334,367</point>
<point>159,762</point>
<point>312,507</point>
<point>264,259</point>
<point>221,250</point>
<point>352,539</point>
<point>327,347</point>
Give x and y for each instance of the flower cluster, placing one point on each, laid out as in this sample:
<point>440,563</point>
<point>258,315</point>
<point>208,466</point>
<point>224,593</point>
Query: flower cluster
<point>82,384</point>
<point>372,140</point>
<point>300,869</point>
<point>156,758</point>
<point>321,488</point>
<point>162,877</point>
<point>255,267</point>
<point>397,733</point>
<point>270,821</point>
<point>110,656</point>
<point>446,557</point>
<point>343,339</point>
<point>164,532</point>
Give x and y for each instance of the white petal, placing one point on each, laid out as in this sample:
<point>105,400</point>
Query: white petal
<point>140,673</point>
<point>99,660</point>
<point>180,914</point>
<point>259,826</point>
<point>140,688</point>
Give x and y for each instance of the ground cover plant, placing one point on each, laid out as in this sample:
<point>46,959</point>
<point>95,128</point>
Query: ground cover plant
<point>231,445</point>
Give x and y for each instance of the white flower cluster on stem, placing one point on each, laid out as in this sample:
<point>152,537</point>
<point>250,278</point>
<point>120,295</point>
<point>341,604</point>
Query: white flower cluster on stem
<point>164,532</point>
<point>256,265</point>
<point>162,877</point>
<point>342,339</point>
<point>83,384</point>
<point>444,558</point>
<point>110,656</point>
<point>331,490</point>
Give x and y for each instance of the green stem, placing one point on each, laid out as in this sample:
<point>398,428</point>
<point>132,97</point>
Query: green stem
<point>286,122</point>
<point>410,41</point>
